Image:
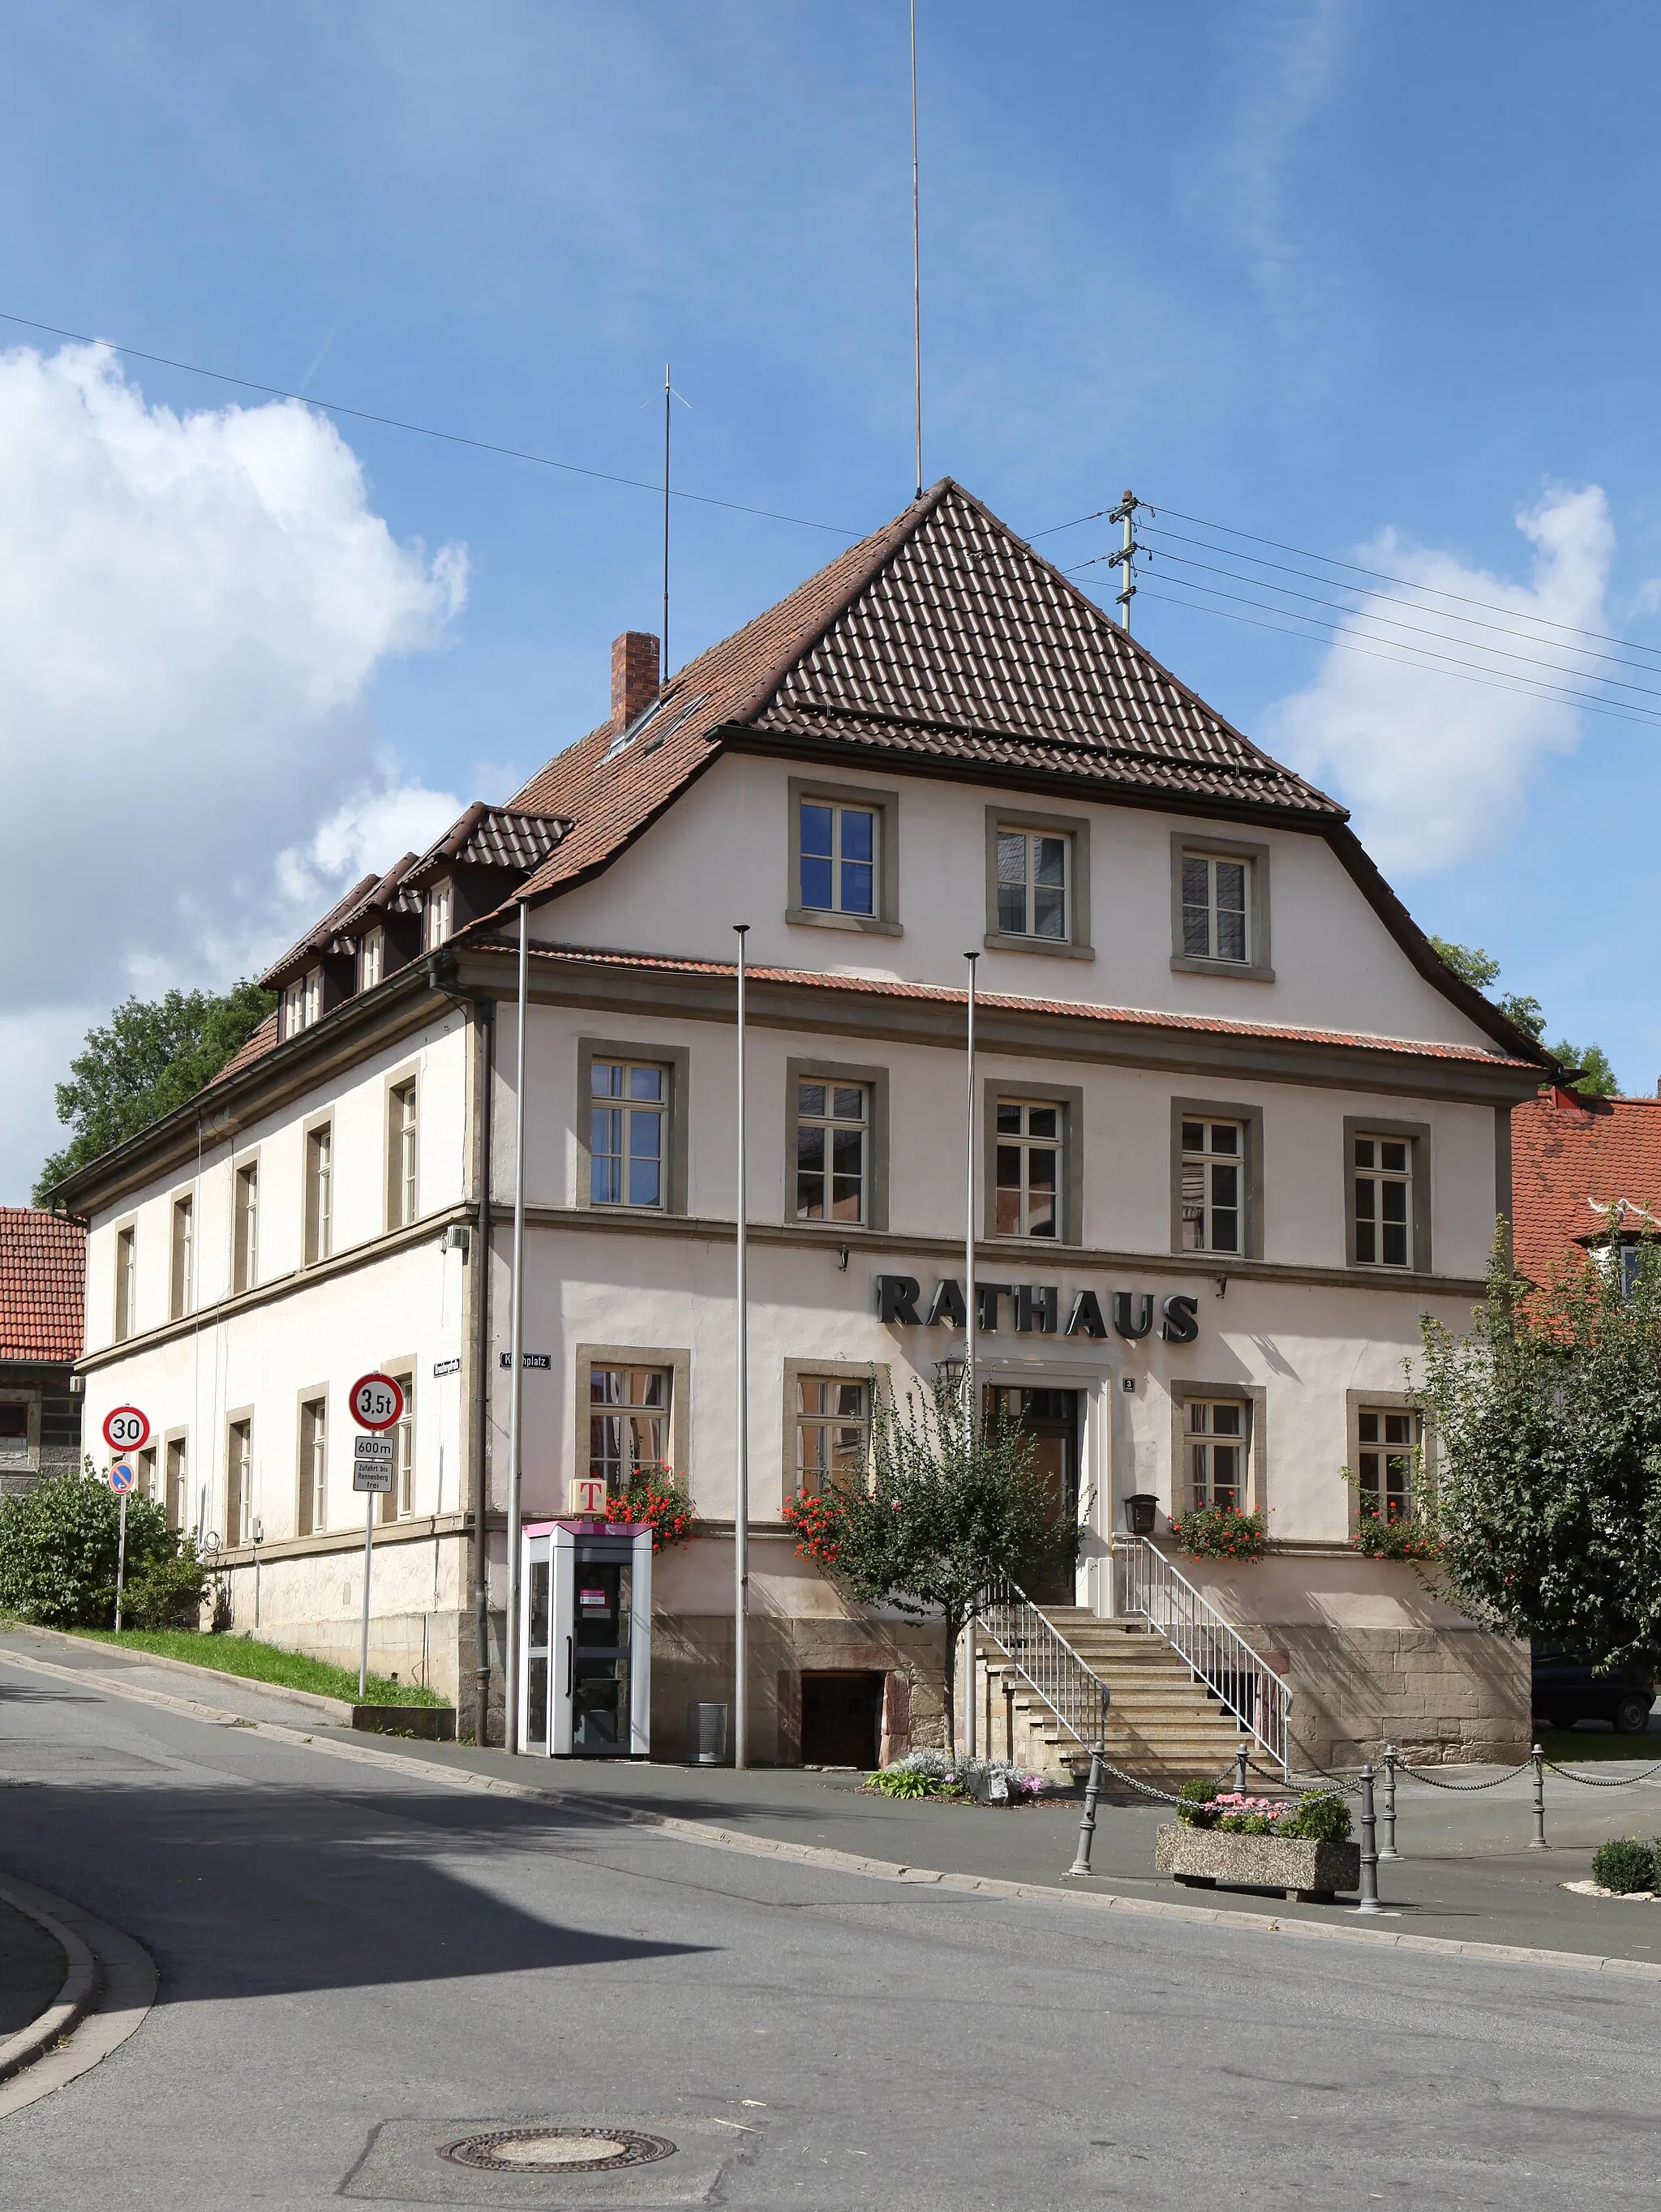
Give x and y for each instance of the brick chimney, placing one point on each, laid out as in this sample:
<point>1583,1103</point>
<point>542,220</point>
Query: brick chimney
<point>633,677</point>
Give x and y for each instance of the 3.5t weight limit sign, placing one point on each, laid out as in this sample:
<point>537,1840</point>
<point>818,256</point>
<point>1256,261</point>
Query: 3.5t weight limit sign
<point>377,1401</point>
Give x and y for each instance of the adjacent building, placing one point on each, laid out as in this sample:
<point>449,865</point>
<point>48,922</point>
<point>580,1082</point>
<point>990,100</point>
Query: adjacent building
<point>1242,1126</point>
<point>43,1263</point>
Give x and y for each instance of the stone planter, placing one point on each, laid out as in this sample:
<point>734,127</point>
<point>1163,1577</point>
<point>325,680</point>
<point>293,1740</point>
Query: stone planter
<point>1310,1872</point>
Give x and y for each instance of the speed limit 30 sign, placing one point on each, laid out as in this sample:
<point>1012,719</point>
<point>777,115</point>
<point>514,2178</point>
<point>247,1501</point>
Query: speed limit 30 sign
<point>126,1428</point>
<point>376,1401</point>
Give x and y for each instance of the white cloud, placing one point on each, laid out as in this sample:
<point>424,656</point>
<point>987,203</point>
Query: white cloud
<point>192,610</point>
<point>1439,768</point>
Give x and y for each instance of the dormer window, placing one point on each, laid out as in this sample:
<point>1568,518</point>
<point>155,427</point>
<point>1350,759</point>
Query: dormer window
<point>371,959</point>
<point>302,1002</point>
<point>439,915</point>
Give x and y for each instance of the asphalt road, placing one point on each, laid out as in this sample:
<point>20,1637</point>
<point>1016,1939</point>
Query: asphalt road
<point>356,1965</point>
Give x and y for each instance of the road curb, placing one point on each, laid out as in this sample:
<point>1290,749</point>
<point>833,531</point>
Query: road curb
<point>74,1999</point>
<point>107,1992</point>
<point>313,1701</point>
<point>821,1855</point>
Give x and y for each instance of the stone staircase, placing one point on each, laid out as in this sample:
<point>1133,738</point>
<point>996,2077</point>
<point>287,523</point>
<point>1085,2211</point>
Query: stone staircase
<point>1162,1725</point>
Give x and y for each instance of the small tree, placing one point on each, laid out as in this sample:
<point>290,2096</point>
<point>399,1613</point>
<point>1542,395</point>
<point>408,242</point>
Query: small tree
<point>951,1504</point>
<point>58,1558</point>
<point>1547,1424</point>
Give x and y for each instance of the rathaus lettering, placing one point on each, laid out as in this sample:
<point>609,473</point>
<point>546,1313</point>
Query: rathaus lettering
<point>1034,1308</point>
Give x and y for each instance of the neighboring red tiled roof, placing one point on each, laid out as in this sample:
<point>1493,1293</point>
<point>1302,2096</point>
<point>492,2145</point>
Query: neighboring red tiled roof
<point>940,637</point>
<point>259,1044</point>
<point>1565,1154</point>
<point>42,1279</point>
<point>1082,1010</point>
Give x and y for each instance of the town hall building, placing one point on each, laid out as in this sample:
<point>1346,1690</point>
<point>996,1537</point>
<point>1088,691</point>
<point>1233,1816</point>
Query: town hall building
<point>1242,1128</point>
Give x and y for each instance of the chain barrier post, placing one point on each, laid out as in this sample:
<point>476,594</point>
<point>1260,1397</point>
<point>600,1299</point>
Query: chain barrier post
<point>1080,1867</point>
<point>1389,1850</point>
<point>1369,1901</point>
<point>1240,1771</point>
<point>1537,1761</point>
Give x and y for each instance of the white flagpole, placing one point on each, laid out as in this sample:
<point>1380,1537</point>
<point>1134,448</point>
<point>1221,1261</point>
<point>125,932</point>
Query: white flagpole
<point>516,1378</point>
<point>741,1458</point>
<point>971,1400</point>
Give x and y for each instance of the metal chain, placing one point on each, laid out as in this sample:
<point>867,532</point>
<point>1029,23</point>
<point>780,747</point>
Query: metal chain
<point>1461,1789</point>
<point>1599,1781</point>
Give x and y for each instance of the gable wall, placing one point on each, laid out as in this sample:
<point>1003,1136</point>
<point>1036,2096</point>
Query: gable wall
<point>721,854</point>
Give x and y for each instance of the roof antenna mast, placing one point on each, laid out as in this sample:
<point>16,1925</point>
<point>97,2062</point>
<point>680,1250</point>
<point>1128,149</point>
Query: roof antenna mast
<point>669,394</point>
<point>1125,512</point>
<point>916,259</point>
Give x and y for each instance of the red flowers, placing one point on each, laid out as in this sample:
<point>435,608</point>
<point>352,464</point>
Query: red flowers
<point>657,1501</point>
<point>819,1526</point>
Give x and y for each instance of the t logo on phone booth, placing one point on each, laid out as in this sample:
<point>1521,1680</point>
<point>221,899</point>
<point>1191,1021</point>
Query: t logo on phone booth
<point>587,1496</point>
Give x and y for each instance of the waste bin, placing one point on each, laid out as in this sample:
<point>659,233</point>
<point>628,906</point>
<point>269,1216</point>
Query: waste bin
<point>706,1734</point>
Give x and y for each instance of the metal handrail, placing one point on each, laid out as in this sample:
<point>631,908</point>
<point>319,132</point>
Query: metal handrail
<point>1217,1654</point>
<point>1046,1662</point>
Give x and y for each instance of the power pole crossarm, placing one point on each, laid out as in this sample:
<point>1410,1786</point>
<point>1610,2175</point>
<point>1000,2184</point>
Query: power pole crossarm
<point>1125,512</point>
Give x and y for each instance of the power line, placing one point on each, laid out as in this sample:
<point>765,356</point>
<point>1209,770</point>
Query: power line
<point>1365,614</point>
<point>1380,577</point>
<point>422,430</point>
<point>1616,710</point>
<point>1471,622</point>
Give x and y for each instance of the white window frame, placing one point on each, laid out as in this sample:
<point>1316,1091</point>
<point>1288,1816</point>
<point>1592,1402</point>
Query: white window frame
<point>1202,1439</point>
<point>629,1412</point>
<point>403,1153</point>
<point>1198,1170</point>
<point>838,809</point>
<point>371,959</point>
<point>1028,1144</point>
<point>1014,833</point>
<point>1374,1455</point>
<point>1195,857</point>
<point>313,1517</point>
<point>244,1232</point>
<point>317,1228</point>
<point>817,1423</point>
<point>1375,1225</point>
<point>625,1108</point>
<point>181,1256</point>
<point>441,914</point>
<point>239,1478</point>
<point>127,1282</point>
<point>826,1125</point>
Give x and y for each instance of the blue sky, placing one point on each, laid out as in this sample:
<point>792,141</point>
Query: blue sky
<point>1320,271</point>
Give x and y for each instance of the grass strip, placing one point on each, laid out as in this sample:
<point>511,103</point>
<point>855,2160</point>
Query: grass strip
<point>263,1662</point>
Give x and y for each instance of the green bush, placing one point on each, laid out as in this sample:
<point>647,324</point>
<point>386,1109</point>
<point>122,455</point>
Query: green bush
<point>1625,1865</point>
<point>1194,1806</point>
<point>1318,1820</point>
<point>57,1555</point>
<point>906,1782</point>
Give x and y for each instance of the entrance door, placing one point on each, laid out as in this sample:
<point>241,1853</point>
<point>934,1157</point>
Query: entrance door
<point>841,1719</point>
<point>601,1683</point>
<point>1050,1417</point>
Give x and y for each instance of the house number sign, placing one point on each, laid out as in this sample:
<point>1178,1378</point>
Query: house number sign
<point>1035,1309</point>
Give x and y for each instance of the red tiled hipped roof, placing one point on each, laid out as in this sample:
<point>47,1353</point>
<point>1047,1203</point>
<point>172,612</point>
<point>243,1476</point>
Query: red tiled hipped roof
<point>942,637</point>
<point>1564,1155</point>
<point>43,1277</point>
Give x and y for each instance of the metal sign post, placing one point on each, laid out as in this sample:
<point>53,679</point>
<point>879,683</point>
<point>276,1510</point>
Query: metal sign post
<point>126,1429</point>
<point>377,1404</point>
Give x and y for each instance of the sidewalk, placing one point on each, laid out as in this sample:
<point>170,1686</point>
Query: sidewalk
<point>1466,1874</point>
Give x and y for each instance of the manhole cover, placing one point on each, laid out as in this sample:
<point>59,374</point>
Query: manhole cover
<point>556,2150</point>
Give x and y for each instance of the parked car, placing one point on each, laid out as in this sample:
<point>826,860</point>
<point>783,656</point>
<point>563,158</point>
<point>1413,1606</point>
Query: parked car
<point>1567,1690</point>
